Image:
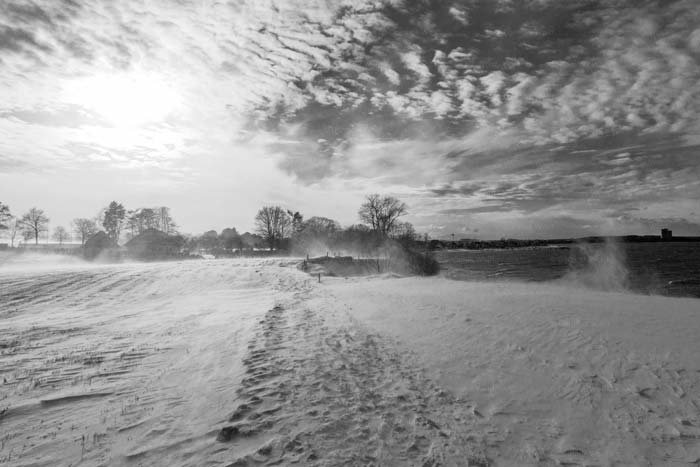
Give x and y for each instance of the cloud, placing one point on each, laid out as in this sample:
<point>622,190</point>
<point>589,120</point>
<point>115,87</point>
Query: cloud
<point>459,14</point>
<point>528,108</point>
<point>413,61</point>
<point>8,164</point>
<point>391,75</point>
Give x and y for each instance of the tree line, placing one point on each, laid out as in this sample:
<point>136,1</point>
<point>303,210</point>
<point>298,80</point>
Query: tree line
<point>34,223</point>
<point>285,230</point>
<point>380,221</point>
<point>276,228</point>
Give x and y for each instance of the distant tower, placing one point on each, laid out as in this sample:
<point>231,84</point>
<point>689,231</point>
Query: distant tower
<point>666,234</point>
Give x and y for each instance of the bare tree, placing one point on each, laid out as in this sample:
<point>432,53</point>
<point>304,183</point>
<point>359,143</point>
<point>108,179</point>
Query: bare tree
<point>5,216</point>
<point>404,232</point>
<point>60,234</point>
<point>316,233</point>
<point>141,219</point>
<point>321,226</point>
<point>382,213</point>
<point>273,223</point>
<point>165,220</point>
<point>133,223</point>
<point>34,222</point>
<point>15,226</point>
<point>150,218</point>
<point>84,228</point>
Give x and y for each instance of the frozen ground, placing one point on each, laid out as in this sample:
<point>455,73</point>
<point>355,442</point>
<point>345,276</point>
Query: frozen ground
<point>242,363</point>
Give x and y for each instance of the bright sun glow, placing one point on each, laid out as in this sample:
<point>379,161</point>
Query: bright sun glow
<point>127,99</point>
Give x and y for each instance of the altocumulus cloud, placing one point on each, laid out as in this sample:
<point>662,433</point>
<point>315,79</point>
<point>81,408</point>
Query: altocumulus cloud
<point>479,111</point>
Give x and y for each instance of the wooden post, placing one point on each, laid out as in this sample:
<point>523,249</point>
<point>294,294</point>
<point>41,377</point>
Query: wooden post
<point>319,277</point>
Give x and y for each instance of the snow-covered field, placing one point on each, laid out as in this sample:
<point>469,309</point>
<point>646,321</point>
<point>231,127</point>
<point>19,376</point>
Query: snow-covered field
<point>125,364</point>
<point>251,362</point>
<point>542,374</point>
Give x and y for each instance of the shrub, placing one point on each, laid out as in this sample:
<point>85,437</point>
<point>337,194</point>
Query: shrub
<point>422,263</point>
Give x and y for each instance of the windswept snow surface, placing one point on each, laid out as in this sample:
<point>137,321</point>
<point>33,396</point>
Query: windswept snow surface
<point>130,364</point>
<point>544,374</point>
<point>245,363</point>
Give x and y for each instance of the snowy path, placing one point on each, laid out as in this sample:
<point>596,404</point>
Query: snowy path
<point>321,389</point>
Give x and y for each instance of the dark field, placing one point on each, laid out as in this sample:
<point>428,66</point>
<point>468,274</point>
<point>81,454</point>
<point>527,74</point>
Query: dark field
<point>652,268</point>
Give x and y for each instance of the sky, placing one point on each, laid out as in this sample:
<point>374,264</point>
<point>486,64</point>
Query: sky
<point>489,118</point>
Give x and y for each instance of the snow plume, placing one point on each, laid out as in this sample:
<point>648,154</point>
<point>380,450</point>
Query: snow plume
<point>31,261</point>
<point>598,266</point>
